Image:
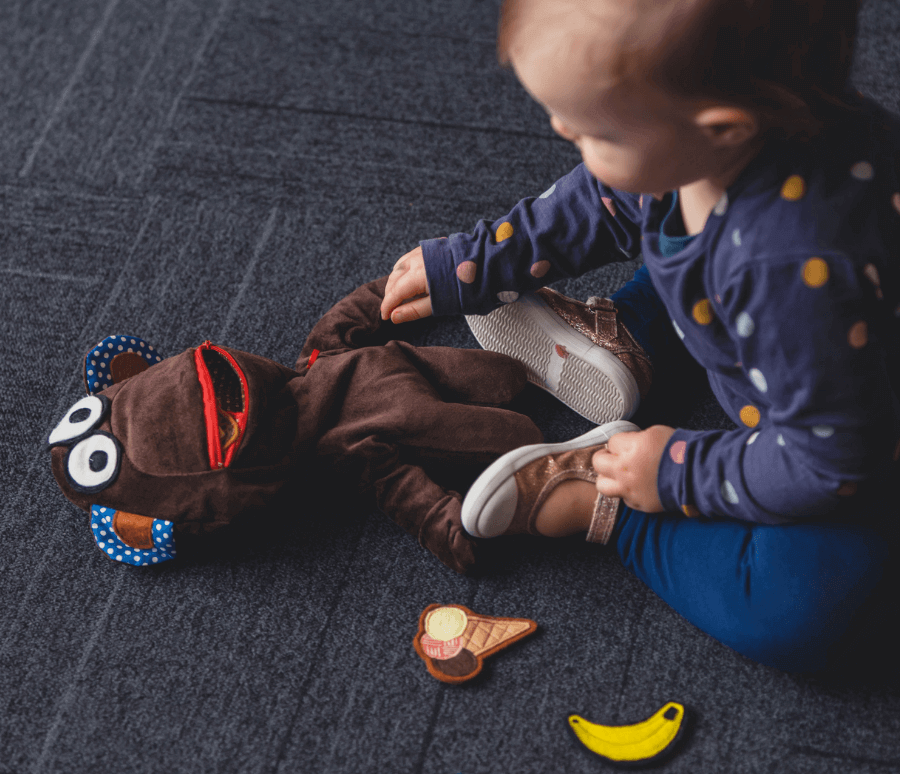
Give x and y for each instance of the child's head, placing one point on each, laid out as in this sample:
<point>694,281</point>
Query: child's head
<point>659,93</point>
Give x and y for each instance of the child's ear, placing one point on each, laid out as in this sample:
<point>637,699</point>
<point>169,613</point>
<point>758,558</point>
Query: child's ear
<point>116,359</point>
<point>726,125</point>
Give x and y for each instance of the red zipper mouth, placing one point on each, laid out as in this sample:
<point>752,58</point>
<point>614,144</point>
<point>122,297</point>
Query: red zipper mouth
<point>225,402</point>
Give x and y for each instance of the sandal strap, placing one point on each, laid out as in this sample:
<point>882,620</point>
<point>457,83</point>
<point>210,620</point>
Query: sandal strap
<point>606,511</point>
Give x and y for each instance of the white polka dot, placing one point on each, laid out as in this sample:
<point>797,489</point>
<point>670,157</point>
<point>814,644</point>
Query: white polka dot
<point>678,330</point>
<point>507,296</point>
<point>109,551</point>
<point>752,438</point>
<point>722,205</point>
<point>823,431</point>
<point>154,560</point>
<point>758,379</point>
<point>745,325</point>
<point>93,362</point>
<point>548,192</point>
<point>736,237</point>
<point>780,440</point>
<point>91,372</point>
<point>109,345</point>
<point>729,493</point>
<point>862,170</point>
<point>133,341</point>
<point>143,344</point>
<point>149,347</point>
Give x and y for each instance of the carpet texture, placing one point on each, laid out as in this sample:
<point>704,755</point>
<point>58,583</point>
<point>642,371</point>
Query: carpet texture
<point>228,169</point>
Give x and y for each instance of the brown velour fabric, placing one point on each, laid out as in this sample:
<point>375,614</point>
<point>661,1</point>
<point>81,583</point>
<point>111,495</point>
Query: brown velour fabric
<point>370,409</point>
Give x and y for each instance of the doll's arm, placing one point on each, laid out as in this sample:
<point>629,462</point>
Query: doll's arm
<point>353,322</point>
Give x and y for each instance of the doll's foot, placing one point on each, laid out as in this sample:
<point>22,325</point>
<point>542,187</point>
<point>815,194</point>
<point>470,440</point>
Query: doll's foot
<point>539,490</point>
<point>578,352</point>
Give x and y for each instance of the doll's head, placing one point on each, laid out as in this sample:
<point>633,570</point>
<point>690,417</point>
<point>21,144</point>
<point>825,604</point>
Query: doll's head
<point>183,444</point>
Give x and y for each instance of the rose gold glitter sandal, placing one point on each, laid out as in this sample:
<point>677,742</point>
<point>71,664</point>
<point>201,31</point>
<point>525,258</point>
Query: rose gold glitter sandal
<point>507,497</point>
<point>578,352</point>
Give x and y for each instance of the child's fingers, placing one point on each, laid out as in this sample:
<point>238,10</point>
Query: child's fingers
<point>406,281</point>
<point>412,310</point>
<point>404,290</point>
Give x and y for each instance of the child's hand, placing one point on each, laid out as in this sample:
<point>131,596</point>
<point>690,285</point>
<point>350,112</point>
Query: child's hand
<point>406,294</point>
<point>628,466</point>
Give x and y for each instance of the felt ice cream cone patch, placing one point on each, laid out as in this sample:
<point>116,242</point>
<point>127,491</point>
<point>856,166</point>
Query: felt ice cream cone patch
<point>453,641</point>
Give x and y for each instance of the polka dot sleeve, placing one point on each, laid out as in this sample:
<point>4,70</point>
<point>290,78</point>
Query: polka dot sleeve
<point>575,225</point>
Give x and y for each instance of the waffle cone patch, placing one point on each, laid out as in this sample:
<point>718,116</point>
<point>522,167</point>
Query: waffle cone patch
<point>453,640</point>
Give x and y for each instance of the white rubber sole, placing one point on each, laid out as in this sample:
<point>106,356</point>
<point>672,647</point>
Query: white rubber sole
<point>490,503</point>
<point>587,378</point>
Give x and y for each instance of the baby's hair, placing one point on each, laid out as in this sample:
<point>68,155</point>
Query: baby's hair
<point>788,61</point>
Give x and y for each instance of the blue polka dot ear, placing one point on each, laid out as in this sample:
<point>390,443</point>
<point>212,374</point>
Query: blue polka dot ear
<point>132,539</point>
<point>115,359</point>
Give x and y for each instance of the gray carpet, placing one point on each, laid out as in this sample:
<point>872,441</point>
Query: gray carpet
<point>228,169</point>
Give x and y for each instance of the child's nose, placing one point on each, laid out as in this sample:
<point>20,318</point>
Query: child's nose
<point>559,126</point>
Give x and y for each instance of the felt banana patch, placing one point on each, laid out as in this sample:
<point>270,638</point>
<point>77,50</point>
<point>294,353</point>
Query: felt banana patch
<point>635,744</point>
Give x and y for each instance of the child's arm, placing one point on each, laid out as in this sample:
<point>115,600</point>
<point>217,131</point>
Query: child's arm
<point>809,392</point>
<point>576,225</point>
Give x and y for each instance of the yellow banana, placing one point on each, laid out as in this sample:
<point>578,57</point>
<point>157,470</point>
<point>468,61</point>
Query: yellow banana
<point>637,743</point>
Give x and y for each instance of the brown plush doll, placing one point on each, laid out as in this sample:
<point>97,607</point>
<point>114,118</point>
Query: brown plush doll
<point>190,443</point>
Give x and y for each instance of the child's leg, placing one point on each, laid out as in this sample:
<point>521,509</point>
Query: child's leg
<point>595,357</point>
<point>641,310</point>
<point>780,595</point>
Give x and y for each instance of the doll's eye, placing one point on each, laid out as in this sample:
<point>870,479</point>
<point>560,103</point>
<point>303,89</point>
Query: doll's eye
<point>79,420</point>
<point>93,463</point>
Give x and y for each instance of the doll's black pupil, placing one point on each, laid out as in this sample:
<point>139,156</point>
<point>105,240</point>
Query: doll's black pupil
<point>80,415</point>
<point>98,461</point>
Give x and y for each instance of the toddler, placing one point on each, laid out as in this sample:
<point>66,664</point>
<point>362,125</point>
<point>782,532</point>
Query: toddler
<point>720,142</point>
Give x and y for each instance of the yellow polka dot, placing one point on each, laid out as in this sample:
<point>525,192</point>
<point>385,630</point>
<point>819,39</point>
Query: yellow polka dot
<point>750,416</point>
<point>504,231</point>
<point>859,335</point>
<point>793,189</point>
<point>703,312</point>
<point>815,272</point>
<point>690,511</point>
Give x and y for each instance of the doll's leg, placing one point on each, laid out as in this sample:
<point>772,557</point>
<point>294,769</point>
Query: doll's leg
<point>469,375</point>
<point>780,595</point>
<point>412,500</point>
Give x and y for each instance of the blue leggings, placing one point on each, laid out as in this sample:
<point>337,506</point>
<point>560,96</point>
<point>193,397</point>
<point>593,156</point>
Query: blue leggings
<point>780,595</point>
